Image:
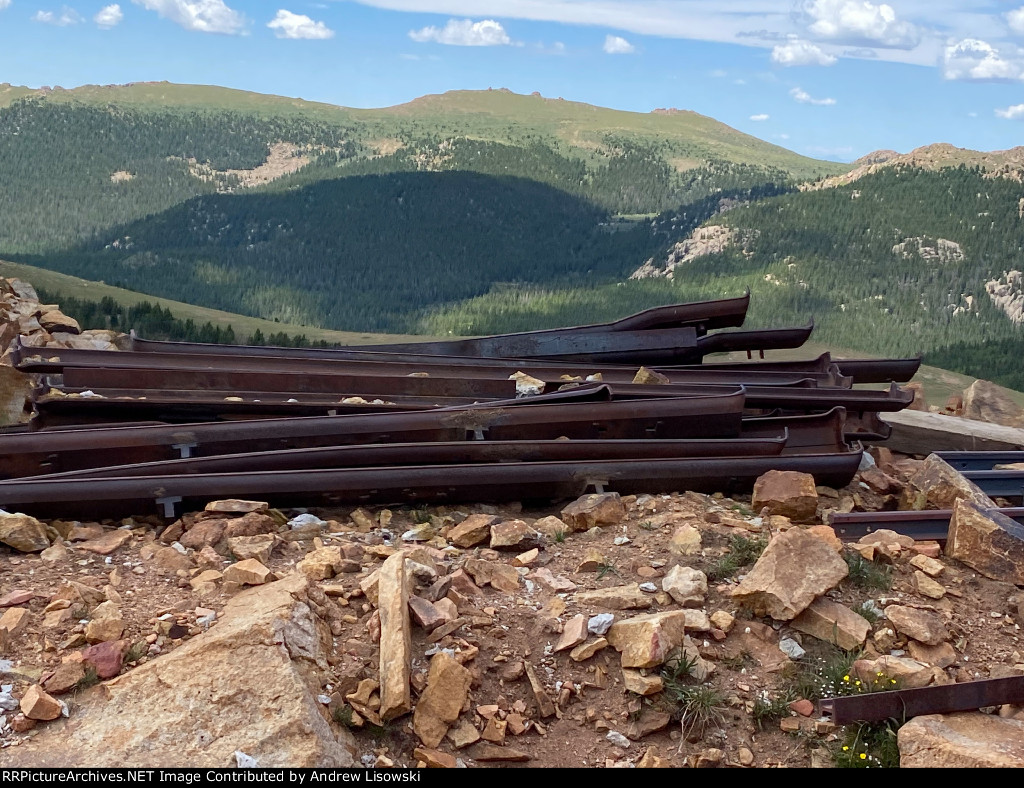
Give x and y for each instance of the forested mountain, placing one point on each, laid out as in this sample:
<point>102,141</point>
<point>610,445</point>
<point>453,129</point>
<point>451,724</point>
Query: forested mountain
<point>486,211</point>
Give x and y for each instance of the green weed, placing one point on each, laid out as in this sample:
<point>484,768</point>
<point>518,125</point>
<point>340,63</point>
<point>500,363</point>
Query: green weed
<point>867,574</point>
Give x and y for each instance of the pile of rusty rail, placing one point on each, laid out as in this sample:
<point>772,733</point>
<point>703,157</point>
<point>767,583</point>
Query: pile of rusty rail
<point>530,416</point>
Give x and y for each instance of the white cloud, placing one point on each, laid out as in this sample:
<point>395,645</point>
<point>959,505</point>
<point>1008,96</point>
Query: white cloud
<point>758,118</point>
<point>801,53</point>
<point>4,4</point>
<point>289,25</point>
<point>616,45</point>
<point>859,21</point>
<point>1011,113</point>
<point>109,16</point>
<point>66,17</point>
<point>976,60</point>
<point>803,97</point>
<point>1015,19</point>
<point>203,16</point>
<point>464,33</point>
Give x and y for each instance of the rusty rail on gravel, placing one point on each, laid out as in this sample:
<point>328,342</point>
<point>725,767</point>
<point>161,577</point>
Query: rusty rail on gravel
<point>483,482</point>
<point>926,525</point>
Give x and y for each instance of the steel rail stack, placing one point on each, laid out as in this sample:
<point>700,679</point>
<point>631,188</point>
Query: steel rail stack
<point>535,415</point>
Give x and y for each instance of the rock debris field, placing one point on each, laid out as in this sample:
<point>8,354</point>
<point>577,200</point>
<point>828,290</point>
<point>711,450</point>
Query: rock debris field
<point>679,630</point>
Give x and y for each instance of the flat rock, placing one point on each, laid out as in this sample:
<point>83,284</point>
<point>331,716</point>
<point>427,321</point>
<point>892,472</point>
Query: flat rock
<point>833,623</point>
<point>14,620</point>
<point>787,493</point>
<point>686,585</point>
<point>921,625</point>
<point>472,531</point>
<point>627,597</point>
<point>651,721</point>
<point>927,587</point>
<point>593,510</point>
<point>647,641</point>
<point>940,656</point>
<point>967,740</point>
<point>462,734</point>
<point>395,639</point>
<point>928,565</point>
<point>426,615</point>
<point>574,633</point>
<point>442,701</point>
<point>25,534</point>
<point>236,506</point>
<point>514,535</point>
<point>793,571</point>
<point>585,651</point>
<point>908,673</point>
<point>987,540</point>
<point>551,527</point>
<point>557,585</point>
<point>16,597</point>
<point>498,576</point>
<point>105,658</point>
<point>484,751</point>
<point>635,681</point>
<point>108,543</point>
<point>245,685</point>
<point>435,759</point>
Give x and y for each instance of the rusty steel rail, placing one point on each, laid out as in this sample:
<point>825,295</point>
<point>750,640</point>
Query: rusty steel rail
<point>940,699</point>
<point>57,361</point>
<point>444,483</point>
<point>1002,484</point>
<point>796,398</point>
<point>453,453</point>
<point>925,525</point>
<point>883,370</point>
<point>980,460</point>
<point>819,433</point>
<point>716,416</point>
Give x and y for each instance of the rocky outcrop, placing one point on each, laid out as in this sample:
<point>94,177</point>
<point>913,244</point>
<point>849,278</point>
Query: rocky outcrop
<point>967,740</point>
<point>244,686</point>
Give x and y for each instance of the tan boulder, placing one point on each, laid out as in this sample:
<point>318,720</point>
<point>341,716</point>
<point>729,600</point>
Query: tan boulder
<point>686,585</point>
<point>442,701</point>
<point>259,547</point>
<point>551,527</point>
<point>787,493</point>
<point>686,540</point>
<point>248,684</point>
<point>249,572</point>
<point>834,623</point>
<point>473,530</point>
<point>55,320</point>
<point>25,534</point>
<point>13,622</point>
<point>15,391</point>
<point>641,684</point>
<point>942,485</point>
<point>908,673</point>
<point>793,571</point>
<point>36,704</point>
<point>967,740</point>
<point>647,641</point>
<point>923,626</point>
<point>593,510</point>
<point>985,401</point>
<point>106,623</point>
<point>320,564</point>
<point>987,540</point>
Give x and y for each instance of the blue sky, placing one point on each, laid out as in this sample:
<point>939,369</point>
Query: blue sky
<point>827,78</point>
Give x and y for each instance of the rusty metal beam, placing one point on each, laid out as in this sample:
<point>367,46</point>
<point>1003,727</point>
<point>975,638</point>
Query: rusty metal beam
<point>409,484</point>
<point>458,452</point>
<point>716,416</point>
<point>927,525</point>
<point>941,699</point>
<point>980,460</point>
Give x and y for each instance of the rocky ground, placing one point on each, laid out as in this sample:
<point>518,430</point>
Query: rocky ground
<point>641,631</point>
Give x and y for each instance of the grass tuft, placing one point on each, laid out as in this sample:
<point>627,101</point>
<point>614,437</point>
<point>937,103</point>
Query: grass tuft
<point>867,574</point>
